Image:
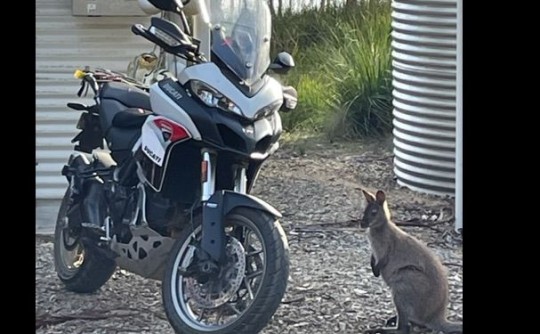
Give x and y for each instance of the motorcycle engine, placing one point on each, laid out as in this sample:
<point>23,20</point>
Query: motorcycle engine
<point>162,213</point>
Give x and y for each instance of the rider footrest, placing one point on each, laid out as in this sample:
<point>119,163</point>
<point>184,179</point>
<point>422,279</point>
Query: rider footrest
<point>92,230</point>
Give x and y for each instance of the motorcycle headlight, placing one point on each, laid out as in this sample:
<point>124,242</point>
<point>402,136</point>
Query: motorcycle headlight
<point>268,110</point>
<point>213,98</point>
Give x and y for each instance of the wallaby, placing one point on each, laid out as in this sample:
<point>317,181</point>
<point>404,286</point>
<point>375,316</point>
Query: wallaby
<point>411,270</point>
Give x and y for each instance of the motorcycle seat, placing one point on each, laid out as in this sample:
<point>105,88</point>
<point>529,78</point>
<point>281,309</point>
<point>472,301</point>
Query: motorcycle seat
<point>130,96</point>
<point>130,118</point>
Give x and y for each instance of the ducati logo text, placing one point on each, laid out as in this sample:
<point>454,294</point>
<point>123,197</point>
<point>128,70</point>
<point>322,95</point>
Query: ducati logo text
<point>151,154</point>
<point>171,90</point>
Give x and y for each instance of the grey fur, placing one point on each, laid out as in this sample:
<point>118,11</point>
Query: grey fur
<point>411,270</point>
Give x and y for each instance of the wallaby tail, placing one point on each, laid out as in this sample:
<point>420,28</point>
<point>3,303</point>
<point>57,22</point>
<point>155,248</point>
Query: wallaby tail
<point>449,327</point>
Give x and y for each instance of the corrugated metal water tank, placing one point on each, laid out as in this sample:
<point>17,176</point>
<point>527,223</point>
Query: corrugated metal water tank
<point>424,95</point>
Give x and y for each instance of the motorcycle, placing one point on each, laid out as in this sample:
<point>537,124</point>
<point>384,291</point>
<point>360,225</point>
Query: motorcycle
<point>160,176</point>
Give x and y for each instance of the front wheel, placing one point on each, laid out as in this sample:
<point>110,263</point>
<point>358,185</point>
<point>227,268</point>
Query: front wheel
<point>248,290</point>
<point>81,269</point>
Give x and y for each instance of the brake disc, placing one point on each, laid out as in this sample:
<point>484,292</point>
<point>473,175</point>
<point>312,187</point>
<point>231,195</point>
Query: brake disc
<point>219,290</point>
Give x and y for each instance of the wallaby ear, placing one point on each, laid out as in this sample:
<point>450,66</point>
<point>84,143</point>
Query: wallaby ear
<point>369,197</point>
<point>380,196</point>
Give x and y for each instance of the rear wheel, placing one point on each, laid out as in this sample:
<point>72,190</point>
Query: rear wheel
<point>81,269</point>
<point>249,287</point>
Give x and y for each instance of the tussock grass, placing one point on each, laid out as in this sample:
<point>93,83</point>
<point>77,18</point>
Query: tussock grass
<point>343,69</point>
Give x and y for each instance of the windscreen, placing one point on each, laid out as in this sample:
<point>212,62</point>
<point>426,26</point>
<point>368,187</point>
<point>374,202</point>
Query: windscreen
<point>241,31</point>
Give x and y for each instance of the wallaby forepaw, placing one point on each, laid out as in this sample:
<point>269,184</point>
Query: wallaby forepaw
<point>374,267</point>
<point>391,322</point>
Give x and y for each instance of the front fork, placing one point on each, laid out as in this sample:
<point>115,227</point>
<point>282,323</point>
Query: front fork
<point>213,232</point>
<point>208,176</point>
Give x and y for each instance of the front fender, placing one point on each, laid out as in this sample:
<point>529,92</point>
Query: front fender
<point>214,212</point>
<point>232,200</point>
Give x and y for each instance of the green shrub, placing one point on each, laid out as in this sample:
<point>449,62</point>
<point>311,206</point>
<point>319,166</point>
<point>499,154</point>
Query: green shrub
<point>343,68</point>
<point>314,95</point>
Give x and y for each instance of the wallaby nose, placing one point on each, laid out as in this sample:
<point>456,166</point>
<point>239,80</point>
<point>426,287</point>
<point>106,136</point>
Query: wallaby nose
<point>364,223</point>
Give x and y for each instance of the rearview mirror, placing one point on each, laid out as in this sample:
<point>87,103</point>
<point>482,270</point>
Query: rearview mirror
<point>282,63</point>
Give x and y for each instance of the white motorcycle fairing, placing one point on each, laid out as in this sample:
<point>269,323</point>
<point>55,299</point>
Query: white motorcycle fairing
<point>158,136</point>
<point>271,94</point>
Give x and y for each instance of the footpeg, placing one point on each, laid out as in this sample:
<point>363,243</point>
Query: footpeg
<point>93,230</point>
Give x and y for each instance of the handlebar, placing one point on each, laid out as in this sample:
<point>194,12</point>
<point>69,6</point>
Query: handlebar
<point>93,78</point>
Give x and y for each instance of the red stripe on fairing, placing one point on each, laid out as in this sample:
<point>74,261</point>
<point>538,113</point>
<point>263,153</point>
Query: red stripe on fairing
<point>177,131</point>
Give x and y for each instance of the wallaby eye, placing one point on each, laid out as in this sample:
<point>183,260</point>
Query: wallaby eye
<point>374,212</point>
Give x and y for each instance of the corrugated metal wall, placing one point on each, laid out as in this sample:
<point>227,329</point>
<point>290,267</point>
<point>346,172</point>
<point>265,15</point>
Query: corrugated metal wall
<point>64,43</point>
<point>424,79</point>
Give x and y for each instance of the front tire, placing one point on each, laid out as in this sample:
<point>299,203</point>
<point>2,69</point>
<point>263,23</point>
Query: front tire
<point>254,286</point>
<point>80,268</point>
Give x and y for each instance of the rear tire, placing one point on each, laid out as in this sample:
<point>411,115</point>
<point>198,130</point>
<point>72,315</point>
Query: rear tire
<point>248,309</point>
<point>81,269</point>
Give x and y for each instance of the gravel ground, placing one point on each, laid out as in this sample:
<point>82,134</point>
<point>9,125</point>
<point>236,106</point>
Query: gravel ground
<point>331,288</point>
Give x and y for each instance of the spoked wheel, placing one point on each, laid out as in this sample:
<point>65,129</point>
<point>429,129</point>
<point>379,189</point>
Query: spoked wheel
<point>242,298</point>
<point>80,269</point>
